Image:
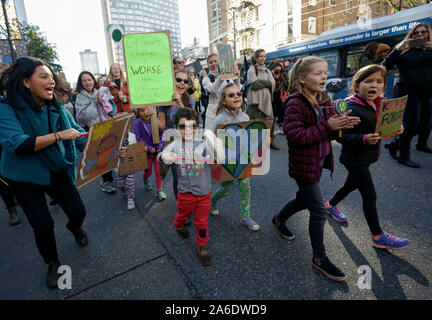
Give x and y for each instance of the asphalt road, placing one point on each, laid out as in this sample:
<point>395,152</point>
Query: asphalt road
<point>138,254</point>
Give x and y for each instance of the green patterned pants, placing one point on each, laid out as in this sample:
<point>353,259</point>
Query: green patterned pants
<point>226,188</point>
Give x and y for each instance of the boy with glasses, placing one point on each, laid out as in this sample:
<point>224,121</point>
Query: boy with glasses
<point>191,156</point>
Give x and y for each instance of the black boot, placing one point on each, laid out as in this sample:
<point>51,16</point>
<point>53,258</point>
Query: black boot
<point>53,275</point>
<point>79,234</point>
<point>408,162</point>
<point>14,219</point>
<point>422,140</point>
<point>392,147</point>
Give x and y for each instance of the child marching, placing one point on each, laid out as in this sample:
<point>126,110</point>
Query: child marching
<point>231,109</point>
<point>190,155</point>
<point>308,131</point>
<point>126,183</point>
<point>361,148</point>
<point>143,131</point>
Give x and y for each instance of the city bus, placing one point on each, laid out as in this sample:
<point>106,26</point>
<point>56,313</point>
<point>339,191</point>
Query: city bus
<point>342,47</point>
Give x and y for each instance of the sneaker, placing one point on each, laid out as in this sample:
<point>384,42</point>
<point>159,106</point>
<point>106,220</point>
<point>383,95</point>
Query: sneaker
<point>282,228</point>
<point>147,185</point>
<point>108,187</point>
<point>248,222</point>
<point>328,269</point>
<point>204,255</point>
<point>213,210</point>
<point>130,204</point>
<point>79,234</point>
<point>390,242</point>
<point>183,232</point>
<point>335,213</point>
<point>14,219</point>
<point>161,195</point>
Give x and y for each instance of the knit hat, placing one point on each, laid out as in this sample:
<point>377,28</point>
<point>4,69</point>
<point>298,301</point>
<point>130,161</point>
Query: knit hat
<point>382,47</point>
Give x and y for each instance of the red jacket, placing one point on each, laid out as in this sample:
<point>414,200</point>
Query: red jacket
<point>304,134</point>
<point>121,106</point>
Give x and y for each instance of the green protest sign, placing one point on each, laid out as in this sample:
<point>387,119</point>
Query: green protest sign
<point>390,116</point>
<point>149,68</point>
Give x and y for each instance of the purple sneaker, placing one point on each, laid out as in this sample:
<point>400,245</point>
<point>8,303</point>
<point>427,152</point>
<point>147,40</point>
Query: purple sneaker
<point>387,241</point>
<point>335,213</point>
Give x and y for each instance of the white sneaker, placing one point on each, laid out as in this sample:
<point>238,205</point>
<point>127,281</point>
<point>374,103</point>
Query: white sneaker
<point>213,210</point>
<point>130,204</point>
<point>248,222</point>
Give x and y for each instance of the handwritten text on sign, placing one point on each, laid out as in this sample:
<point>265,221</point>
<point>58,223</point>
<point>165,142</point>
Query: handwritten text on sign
<point>149,68</point>
<point>390,116</point>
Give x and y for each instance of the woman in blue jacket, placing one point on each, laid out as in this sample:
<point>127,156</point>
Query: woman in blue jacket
<point>39,139</point>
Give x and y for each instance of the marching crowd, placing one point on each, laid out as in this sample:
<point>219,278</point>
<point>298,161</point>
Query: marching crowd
<point>42,126</point>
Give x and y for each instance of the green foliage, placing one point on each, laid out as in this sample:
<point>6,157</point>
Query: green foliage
<point>38,46</point>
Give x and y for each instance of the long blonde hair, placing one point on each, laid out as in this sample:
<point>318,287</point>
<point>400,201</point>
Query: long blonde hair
<point>111,76</point>
<point>221,106</point>
<point>301,69</point>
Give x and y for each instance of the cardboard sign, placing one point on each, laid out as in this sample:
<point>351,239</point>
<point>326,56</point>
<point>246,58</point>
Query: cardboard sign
<point>134,161</point>
<point>149,68</point>
<point>226,61</point>
<point>101,152</point>
<point>4,66</point>
<point>390,116</point>
<point>246,150</point>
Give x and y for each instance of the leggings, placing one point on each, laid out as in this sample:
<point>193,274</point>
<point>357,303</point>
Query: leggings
<point>309,197</point>
<point>128,183</point>
<point>32,199</point>
<point>359,177</point>
<point>226,188</point>
<point>152,162</point>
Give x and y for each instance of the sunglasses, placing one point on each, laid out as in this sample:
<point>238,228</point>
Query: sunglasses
<point>183,126</point>
<point>182,80</point>
<point>417,33</point>
<point>180,62</point>
<point>238,94</point>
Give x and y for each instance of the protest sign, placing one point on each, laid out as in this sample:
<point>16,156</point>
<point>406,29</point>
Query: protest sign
<point>226,61</point>
<point>135,159</point>
<point>246,150</point>
<point>390,116</point>
<point>101,152</point>
<point>149,68</point>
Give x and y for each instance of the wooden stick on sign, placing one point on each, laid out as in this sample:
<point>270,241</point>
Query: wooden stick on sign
<point>155,127</point>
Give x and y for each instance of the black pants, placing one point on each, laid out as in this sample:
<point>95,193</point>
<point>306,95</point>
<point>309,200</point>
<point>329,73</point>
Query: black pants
<point>359,177</point>
<point>309,197</point>
<point>7,195</point>
<point>175,179</point>
<point>32,199</point>
<point>108,177</point>
<point>417,117</point>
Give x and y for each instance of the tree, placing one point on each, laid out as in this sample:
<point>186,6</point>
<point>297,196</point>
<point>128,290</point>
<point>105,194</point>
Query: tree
<point>39,47</point>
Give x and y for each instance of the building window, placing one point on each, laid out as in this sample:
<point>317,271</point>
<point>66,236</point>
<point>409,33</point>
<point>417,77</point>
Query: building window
<point>332,2</point>
<point>290,26</point>
<point>312,2</point>
<point>349,5</point>
<point>312,25</point>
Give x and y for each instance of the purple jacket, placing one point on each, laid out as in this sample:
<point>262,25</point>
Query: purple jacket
<point>143,132</point>
<point>304,134</point>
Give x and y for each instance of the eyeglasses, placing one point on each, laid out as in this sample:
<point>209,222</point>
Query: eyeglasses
<point>182,80</point>
<point>180,62</point>
<point>183,126</point>
<point>417,33</point>
<point>238,94</point>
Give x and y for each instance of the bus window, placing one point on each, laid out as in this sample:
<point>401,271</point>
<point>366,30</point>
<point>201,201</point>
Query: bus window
<point>332,58</point>
<point>353,60</point>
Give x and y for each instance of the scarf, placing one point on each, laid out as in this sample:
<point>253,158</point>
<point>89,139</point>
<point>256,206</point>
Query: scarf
<point>59,156</point>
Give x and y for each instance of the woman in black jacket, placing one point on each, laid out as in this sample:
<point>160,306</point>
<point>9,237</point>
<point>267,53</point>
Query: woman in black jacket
<point>415,71</point>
